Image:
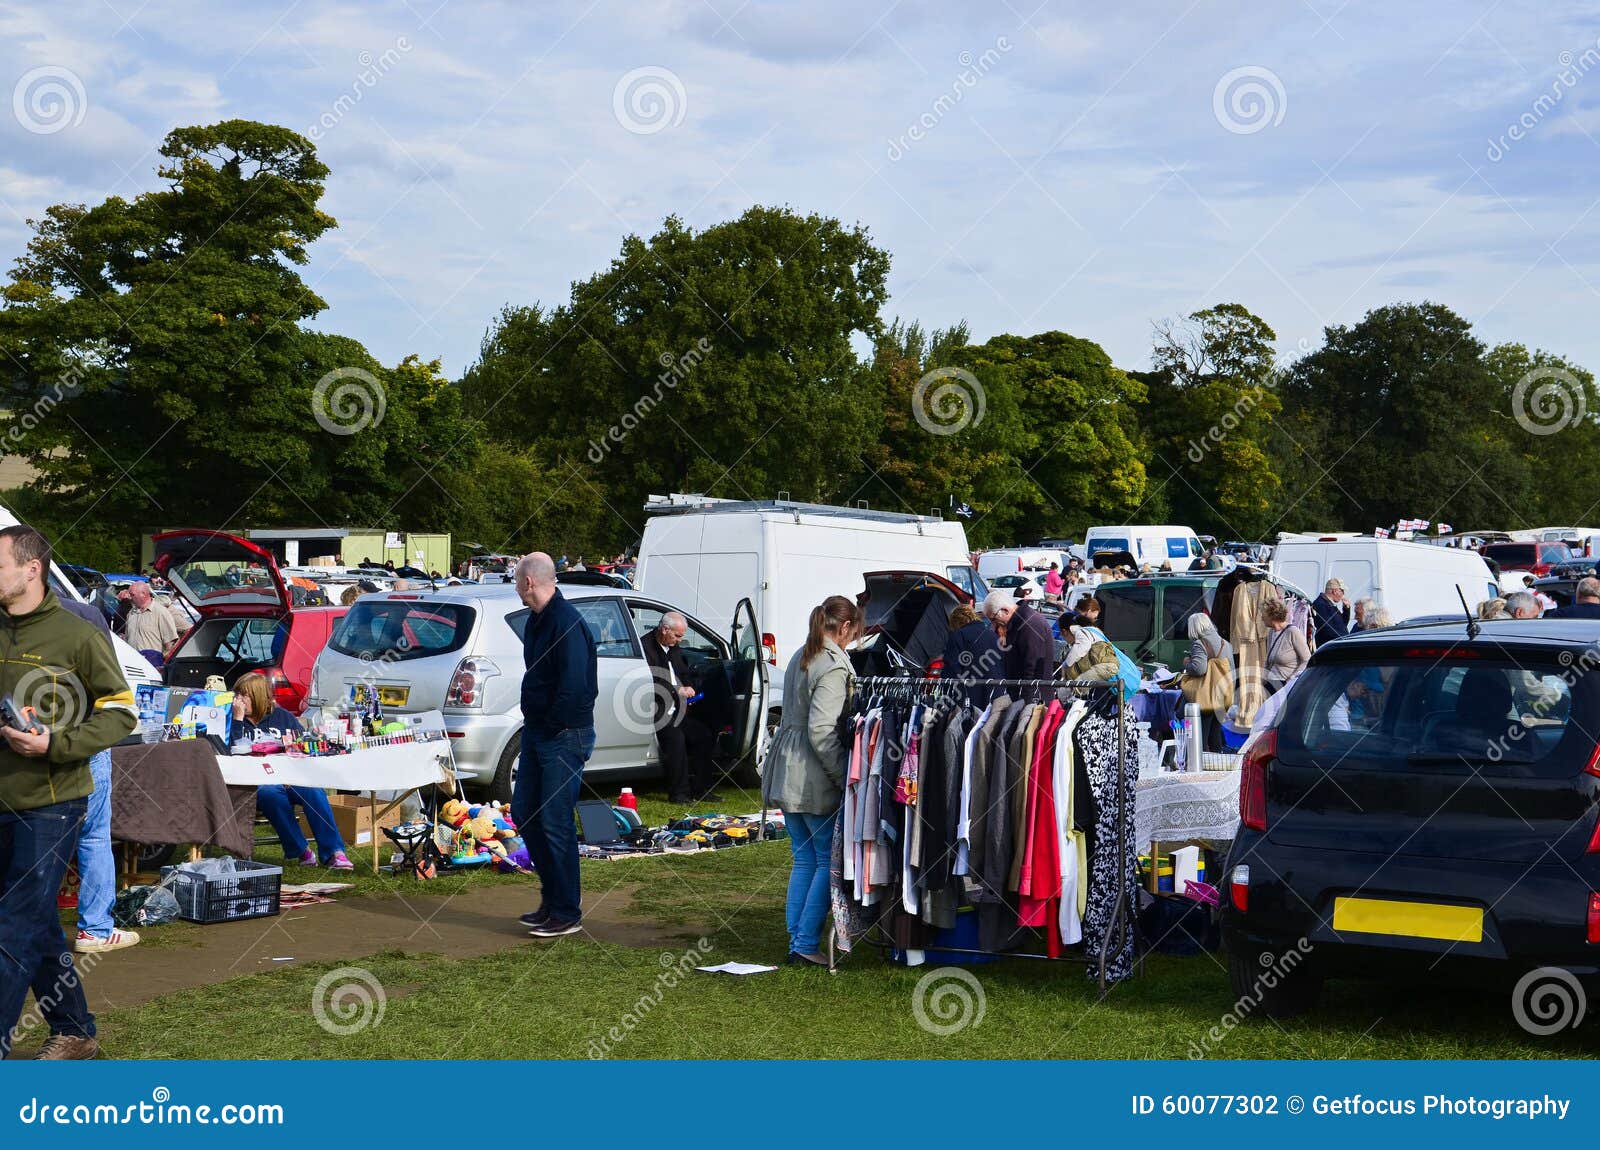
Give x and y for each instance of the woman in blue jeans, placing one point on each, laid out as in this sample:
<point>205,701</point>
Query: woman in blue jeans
<point>257,717</point>
<point>804,771</point>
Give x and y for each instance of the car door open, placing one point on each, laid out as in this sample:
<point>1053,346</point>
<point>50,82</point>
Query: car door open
<point>748,677</point>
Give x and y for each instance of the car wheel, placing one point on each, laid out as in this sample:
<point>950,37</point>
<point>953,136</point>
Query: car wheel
<point>505,773</point>
<point>1279,984</point>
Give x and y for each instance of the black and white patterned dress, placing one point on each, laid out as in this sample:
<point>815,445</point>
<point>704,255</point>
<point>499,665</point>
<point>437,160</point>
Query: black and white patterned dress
<point>1096,740</point>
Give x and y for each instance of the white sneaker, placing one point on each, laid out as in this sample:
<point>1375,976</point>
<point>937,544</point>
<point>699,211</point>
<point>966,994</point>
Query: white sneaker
<point>93,944</point>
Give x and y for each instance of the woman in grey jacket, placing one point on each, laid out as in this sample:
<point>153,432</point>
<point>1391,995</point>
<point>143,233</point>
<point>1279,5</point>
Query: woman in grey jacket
<point>804,771</point>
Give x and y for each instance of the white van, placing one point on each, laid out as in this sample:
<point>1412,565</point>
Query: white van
<point>1408,579</point>
<point>1012,560</point>
<point>1179,546</point>
<point>707,554</point>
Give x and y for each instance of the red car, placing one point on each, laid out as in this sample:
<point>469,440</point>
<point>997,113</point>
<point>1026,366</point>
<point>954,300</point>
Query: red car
<point>1535,558</point>
<point>248,621</point>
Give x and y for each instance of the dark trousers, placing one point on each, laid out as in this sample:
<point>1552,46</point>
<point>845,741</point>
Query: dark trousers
<point>35,848</point>
<point>544,803</point>
<point>686,759</point>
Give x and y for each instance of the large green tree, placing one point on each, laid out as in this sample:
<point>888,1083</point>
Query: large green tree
<point>943,439</point>
<point>1073,457</point>
<point>719,361</point>
<point>159,371</point>
<point>1403,418</point>
<point>1209,421</point>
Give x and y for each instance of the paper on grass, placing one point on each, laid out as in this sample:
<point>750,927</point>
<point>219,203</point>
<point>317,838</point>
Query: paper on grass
<point>736,968</point>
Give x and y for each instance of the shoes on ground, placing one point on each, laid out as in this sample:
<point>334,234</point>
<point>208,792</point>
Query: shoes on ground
<point>87,943</point>
<point>553,927</point>
<point>68,1048</point>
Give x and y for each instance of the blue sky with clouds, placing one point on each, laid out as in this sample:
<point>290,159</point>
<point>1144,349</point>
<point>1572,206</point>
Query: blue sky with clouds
<point>1030,166</point>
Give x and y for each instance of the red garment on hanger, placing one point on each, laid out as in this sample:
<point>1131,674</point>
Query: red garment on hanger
<point>1039,891</point>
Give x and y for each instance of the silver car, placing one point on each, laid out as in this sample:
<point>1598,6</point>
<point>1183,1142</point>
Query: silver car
<point>459,650</point>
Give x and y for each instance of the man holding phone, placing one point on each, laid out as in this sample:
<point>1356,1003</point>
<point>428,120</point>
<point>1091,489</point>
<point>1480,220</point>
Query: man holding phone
<point>684,742</point>
<point>63,681</point>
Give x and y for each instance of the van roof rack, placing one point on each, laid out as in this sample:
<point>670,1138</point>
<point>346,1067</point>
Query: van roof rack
<point>787,506</point>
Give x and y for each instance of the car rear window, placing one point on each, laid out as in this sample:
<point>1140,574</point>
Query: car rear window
<point>254,640</point>
<point>402,629</point>
<point>1500,715</point>
<point>1125,612</point>
<point>1504,553</point>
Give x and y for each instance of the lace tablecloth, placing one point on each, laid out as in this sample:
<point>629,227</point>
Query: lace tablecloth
<point>1180,807</point>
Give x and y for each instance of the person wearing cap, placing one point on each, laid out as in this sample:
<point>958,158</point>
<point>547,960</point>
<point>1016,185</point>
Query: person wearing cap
<point>1331,612</point>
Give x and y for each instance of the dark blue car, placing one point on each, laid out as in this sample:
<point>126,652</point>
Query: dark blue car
<point>1428,804</point>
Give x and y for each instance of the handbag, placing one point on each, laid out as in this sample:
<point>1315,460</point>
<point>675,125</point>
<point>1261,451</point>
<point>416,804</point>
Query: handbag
<point>1213,691</point>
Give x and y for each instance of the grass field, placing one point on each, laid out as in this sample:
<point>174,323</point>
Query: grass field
<point>577,998</point>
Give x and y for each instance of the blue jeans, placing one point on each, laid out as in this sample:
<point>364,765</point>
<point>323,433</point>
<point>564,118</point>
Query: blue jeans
<point>278,803</point>
<point>35,847</point>
<point>544,804</point>
<point>97,867</point>
<point>811,843</point>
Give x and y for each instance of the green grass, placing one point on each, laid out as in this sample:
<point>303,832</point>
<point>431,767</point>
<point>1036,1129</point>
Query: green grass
<point>562,999</point>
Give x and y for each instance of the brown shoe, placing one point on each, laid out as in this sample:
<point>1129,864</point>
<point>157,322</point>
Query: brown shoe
<point>68,1048</point>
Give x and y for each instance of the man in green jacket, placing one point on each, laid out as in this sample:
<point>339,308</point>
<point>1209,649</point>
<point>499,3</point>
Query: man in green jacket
<point>59,669</point>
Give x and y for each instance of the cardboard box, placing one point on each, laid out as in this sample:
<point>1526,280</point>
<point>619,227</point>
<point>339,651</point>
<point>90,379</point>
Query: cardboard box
<point>352,814</point>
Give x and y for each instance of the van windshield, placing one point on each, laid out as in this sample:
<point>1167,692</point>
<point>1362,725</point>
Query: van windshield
<point>393,629</point>
<point>1502,717</point>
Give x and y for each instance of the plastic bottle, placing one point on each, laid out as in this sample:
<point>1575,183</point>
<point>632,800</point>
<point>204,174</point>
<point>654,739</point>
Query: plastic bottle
<point>627,799</point>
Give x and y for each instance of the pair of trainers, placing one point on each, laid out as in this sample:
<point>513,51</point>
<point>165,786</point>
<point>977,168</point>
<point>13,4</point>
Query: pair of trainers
<point>542,924</point>
<point>339,861</point>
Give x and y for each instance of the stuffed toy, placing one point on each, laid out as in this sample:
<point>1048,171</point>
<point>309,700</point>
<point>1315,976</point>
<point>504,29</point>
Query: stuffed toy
<point>454,813</point>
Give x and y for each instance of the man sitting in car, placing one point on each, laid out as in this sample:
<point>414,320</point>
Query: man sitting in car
<point>684,742</point>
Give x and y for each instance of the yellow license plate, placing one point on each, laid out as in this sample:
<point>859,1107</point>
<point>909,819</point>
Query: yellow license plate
<point>1408,919</point>
<point>393,696</point>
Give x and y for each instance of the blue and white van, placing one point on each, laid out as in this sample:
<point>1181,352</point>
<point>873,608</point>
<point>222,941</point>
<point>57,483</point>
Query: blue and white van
<point>1179,546</point>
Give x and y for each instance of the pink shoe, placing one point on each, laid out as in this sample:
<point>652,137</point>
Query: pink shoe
<point>308,857</point>
<point>340,861</point>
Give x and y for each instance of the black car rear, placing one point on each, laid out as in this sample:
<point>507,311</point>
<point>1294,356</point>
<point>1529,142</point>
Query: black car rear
<point>1426,800</point>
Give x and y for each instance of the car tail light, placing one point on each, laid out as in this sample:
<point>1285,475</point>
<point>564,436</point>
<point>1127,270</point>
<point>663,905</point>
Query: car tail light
<point>770,642</point>
<point>1253,782</point>
<point>1239,887</point>
<point>466,685</point>
<point>284,692</point>
<point>936,668</point>
<point>1594,916</point>
<point>1593,766</point>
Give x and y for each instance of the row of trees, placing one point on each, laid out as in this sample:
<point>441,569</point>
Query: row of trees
<point>160,373</point>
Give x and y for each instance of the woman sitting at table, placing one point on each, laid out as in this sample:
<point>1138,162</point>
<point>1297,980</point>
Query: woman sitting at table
<point>257,718</point>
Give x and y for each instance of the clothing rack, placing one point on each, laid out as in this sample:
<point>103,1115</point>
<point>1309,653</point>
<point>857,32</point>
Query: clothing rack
<point>909,687</point>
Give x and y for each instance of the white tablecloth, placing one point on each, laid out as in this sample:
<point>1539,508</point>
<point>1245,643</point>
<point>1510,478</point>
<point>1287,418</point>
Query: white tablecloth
<point>1181,807</point>
<point>401,767</point>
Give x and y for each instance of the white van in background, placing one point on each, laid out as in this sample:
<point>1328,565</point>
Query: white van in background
<point>1408,579</point>
<point>707,554</point>
<point>1177,545</point>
